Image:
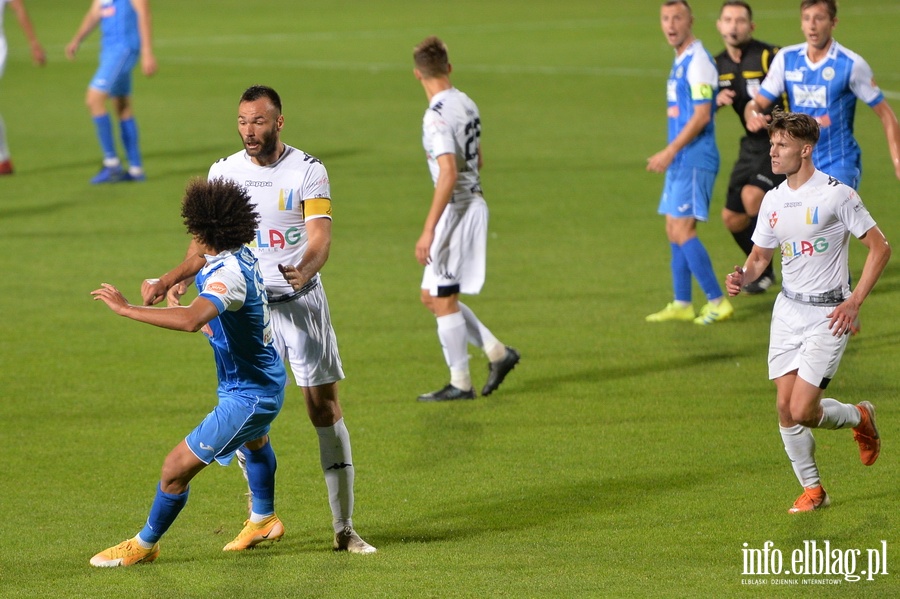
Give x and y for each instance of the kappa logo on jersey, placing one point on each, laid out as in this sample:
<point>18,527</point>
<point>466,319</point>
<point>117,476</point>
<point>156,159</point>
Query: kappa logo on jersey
<point>216,287</point>
<point>812,216</point>
<point>249,183</point>
<point>793,76</point>
<point>789,249</point>
<point>810,96</point>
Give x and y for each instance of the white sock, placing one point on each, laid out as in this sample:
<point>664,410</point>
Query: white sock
<point>480,336</point>
<point>257,518</point>
<point>838,415</point>
<point>337,464</point>
<point>800,447</point>
<point>452,335</point>
<point>142,543</point>
<point>4,149</point>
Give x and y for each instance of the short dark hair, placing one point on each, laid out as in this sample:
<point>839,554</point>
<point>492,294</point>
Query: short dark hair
<point>219,213</point>
<point>739,3</point>
<point>831,5</point>
<point>431,57</point>
<point>795,124</point>
<point>677,2</point>
<point>255,92</point>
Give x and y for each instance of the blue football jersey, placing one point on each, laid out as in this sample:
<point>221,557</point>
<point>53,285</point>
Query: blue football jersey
<point>693,81</point>
<point>241,336</point>
<point>827,91</point>
<point>118,25</point>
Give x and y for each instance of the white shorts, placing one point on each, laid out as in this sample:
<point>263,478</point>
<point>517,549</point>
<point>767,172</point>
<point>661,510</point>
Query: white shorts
<point>801,340</point>
<point>305,339</point>
<point>459,250</point>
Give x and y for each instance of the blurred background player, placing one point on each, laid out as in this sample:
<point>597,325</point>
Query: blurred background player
<point>453,244</point>
<point>690,162</point>
<point>742,66</point>
<point>232,312</point>
<point>37,54</point>
<point>292,193</point>
<point>823,79</point>
<point>125,36</point>
<point>815,312</point>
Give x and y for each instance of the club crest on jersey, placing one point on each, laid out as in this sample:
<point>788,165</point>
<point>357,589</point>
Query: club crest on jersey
<point>773,220</point>
<point>828,73</point>
<point>812,216</point>
<point>285,199</point>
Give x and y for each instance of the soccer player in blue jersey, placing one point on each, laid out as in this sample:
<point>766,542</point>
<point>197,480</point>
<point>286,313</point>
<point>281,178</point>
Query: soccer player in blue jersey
<point>231,309</point>
<point>125,36</point>
<point>823,79</point>
<point>37,54</point>
<point>690,162</point>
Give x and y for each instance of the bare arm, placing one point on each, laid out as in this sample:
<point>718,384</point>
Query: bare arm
<point>177,318</point>
<point>90,21</point>
<point>145,28</point>
<point>318,247</point>
<point>659,162</point>
<point>891,131</point>
<point>754,113</point>
<point>37,51</point>
<point>443,193</point>
<point>154,291</point>
<point>844,316</point>
<point>753,268</point>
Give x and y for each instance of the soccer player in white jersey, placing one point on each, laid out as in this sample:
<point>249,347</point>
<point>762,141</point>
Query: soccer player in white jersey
<point>823,79</point>
<point>37,54</point>
<point>809,219</point>
<point>232,312</point>
<point>292,194</point>
<point>453,243</point>
<point>690,162</point>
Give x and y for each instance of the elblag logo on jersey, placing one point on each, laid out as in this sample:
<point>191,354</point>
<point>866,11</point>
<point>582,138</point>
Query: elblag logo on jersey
<point>789,249</point>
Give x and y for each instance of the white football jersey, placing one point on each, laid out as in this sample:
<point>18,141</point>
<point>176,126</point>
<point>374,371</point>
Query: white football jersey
<point>452,125</point>
<point>811,226</point>
<point>286,194</point>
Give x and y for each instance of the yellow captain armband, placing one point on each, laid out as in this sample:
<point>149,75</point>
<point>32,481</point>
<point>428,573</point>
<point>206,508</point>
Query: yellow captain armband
<point>316,207</point>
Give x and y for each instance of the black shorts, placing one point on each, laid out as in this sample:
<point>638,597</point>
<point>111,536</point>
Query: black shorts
<point>753,167</point>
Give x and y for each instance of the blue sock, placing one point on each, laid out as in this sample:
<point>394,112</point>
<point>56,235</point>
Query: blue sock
<point>681,275</point>
<point>103,125</point>
<point>701,267</point>
<point>261,465</point>
<point>163,512</point>
<point>129,132</point>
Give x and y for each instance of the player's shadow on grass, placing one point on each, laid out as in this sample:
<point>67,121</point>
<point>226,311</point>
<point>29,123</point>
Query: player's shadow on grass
<point>538,506</point>
<point>640,369</point>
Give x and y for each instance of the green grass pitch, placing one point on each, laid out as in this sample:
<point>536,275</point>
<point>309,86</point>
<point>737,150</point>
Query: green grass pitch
<point>620,459</point>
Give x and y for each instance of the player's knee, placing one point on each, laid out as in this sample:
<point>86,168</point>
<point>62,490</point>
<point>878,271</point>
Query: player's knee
<point>734,221</point>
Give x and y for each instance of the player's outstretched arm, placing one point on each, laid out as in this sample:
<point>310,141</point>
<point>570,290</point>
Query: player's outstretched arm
<point>154,291</point>
<point>179,318</point>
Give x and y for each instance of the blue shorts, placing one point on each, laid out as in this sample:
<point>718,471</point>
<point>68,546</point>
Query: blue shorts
<point>687,193</point>
<point>237,419</point>
<point>113,76</point>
